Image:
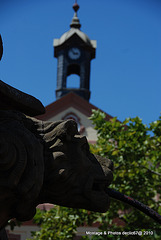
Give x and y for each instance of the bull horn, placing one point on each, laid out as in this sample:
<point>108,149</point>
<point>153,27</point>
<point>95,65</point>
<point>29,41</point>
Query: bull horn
<point>135,203</point>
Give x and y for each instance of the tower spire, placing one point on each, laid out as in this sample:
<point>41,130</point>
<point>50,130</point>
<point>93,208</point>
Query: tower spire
<point>75,21</point>
<point>74,51</point>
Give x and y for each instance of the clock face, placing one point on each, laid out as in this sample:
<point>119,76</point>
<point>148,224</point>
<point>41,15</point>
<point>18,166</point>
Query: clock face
<point>74,53</point>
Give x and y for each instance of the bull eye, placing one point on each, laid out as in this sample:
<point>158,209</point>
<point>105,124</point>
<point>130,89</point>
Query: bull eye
<point>61,171</point>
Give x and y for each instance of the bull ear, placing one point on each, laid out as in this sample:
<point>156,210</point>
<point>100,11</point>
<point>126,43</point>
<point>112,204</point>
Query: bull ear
<point>1,47</point>
<point>105,162</point>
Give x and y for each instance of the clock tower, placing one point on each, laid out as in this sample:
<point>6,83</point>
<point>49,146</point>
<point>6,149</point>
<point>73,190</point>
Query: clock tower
<point>74,52</point>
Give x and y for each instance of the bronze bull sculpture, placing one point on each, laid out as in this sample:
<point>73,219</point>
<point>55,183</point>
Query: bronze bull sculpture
<point>45,162</point>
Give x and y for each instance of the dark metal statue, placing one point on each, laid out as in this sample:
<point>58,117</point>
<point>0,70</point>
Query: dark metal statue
<point>47,162</point>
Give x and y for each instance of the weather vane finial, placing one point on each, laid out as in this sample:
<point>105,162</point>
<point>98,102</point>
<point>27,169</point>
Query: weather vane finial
<point>75,6</point>
<point>75,21</point>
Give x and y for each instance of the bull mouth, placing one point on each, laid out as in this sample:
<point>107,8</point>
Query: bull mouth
<point>95,192</point>
<point>92,196</point>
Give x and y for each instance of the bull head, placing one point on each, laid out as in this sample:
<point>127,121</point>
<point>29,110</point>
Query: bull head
<point>47,162</point>
<point>73,176</point>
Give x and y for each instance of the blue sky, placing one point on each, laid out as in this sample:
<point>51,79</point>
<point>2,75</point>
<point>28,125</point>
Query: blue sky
<point>126,74</point>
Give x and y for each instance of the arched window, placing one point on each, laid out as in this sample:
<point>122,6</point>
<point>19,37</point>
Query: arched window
<point>73,79</point>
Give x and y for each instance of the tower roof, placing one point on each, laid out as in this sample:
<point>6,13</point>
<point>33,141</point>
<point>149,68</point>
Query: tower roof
<point>74,31</point>
<point>67,35</point>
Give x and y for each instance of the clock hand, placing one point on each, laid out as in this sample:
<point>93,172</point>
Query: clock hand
<point>75,52</point>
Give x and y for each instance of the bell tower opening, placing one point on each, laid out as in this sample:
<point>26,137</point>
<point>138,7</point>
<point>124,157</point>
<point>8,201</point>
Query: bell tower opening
<point>73,76</point>
<point>73,81</point>
<point>73,69</point>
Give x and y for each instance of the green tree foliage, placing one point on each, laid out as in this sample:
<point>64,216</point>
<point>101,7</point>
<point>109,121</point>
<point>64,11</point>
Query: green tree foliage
<point>60,223</point>
<point>135,150</point>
